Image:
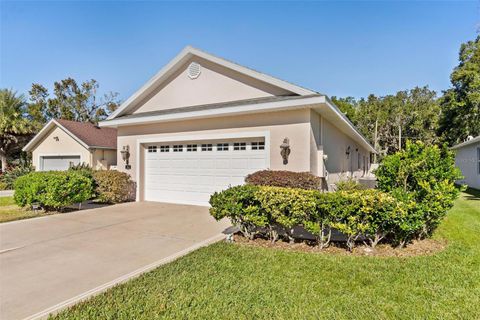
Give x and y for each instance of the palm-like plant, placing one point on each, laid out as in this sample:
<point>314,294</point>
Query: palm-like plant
<point>15,126</point>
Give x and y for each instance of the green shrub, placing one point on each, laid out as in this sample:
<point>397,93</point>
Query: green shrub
<point>370,214</point>
<point>240,205</point>
<point>52,190</point>
<point>349,185</point>
<point>113,186</point>
<point>285,208</point>
<point>7,178</point>
<point>287,179</point>
<point>424,178</point>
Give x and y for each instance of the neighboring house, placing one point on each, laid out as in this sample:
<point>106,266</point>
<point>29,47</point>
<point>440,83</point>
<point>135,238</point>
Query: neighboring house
<point>203,123</point>
<point>467,158</point>
<point>62,143</point>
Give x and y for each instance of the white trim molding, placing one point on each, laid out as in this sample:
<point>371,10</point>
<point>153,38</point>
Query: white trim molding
<point>187,53</point>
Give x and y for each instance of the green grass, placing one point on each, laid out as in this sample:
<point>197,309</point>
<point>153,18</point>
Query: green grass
<point>9,211</point>
<point>227,281</point>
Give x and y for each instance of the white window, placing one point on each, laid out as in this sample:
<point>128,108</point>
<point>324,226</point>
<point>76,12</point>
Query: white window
<point>207,147</point>
<point>222,146</point>
<point>191,147</point>
<point>152,149</point>
<point>178,148</point>
<point>164,148</point>
<point>239,146</point>
<point>258,145</point>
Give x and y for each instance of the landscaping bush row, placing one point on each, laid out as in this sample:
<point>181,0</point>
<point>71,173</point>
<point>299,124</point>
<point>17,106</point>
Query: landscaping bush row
<point>274,212</point>
<point>55,190</point>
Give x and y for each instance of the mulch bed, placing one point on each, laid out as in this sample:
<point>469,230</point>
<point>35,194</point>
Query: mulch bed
<point>416,248</point>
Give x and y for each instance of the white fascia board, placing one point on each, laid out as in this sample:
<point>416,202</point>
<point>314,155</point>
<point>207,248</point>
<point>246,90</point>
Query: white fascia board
<point>46,129</point>
<point>466,143</point>
<point>186,54</point>
<point>339,114</point>
<point>227,111</point>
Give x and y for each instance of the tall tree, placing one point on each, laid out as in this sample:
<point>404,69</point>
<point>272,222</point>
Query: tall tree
<point>348,106</point>
<point>461,103</point>
<point>390,120</point>
<point>71,101</point>
<point>16,127</point>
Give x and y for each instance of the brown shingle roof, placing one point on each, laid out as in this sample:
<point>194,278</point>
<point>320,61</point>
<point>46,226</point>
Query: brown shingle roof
<point>90,134</point>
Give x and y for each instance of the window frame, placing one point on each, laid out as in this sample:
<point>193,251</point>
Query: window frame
<point>206,147</point>
<point>222,145</point>
<point>152,149</point>
<point>258,145</point>
<point>164,149</point>
<point>192,147</point>
<point>178,148</point>
<point>239,146</point>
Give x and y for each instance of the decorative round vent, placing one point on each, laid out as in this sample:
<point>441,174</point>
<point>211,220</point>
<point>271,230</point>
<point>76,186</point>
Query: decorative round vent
<point>194,70</point>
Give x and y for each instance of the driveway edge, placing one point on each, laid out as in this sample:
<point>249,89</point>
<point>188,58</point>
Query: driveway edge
<point>95,291</point>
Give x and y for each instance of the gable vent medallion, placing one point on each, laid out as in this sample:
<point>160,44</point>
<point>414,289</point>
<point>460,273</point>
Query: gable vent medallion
<point>194,70</point>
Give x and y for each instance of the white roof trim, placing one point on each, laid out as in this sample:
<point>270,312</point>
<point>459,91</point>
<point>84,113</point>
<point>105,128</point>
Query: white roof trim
<point>186,54</point>
<point>466,143</point>
<point>52,123</point>
<point>243,109</point>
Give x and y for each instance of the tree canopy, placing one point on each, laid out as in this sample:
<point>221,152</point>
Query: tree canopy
<point>71,101</point>
<point>461,104</point>
<point>16,126</point>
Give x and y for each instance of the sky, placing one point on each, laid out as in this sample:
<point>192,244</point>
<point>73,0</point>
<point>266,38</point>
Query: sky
<point>336,48</point>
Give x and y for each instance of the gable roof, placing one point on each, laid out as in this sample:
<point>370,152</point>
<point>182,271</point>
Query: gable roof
<point>466,143</point>
<point>85,133</point>
<point>187,53</point>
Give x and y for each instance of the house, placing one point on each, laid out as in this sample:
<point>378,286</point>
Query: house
<point>203,123</point>
<point>62,143</point>
<point>467,158</point>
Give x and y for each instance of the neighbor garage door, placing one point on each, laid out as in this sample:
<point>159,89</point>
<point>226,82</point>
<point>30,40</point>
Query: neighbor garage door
<point>58,162</point>
<point>189,172</point>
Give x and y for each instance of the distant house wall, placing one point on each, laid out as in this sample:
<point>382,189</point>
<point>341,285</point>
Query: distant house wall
<point>58,143</point>
<point>104,158</point>
<point>467,159</point>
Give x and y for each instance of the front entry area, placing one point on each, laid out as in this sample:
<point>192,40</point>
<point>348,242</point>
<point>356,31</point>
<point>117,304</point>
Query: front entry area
<point>188,172</point>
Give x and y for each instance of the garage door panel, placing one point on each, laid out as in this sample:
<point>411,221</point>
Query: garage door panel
<point>58,163</point>
<point>191,177</point>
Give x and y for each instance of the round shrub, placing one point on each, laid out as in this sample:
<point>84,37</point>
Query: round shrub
<point>113,186</point>
<point>424,178</point>
<point>287,179</point>
<point>52,190</point>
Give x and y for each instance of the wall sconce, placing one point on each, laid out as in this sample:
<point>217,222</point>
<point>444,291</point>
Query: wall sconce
<point>125,156</point>
<point>56,138</point>
<point>285,150</point>
<point>348,152</point>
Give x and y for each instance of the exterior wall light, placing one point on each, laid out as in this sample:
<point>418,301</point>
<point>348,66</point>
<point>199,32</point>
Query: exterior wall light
<point>285,150</point>
<point>126,156</point>
<point>348,152</point>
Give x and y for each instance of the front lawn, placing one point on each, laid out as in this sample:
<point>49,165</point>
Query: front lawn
<point>228,281</point>
<point>9,211</point>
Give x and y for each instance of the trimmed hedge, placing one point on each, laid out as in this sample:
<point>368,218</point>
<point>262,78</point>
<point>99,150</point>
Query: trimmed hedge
<point>287,179</point>
<point>273,212</point>
<point>52,190</point>
<point>113,186</point>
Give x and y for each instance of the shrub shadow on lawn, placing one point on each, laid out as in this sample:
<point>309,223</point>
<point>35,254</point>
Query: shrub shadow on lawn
<point>472,194</point>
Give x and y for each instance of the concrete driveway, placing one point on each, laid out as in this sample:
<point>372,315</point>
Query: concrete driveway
<point>51,262</point>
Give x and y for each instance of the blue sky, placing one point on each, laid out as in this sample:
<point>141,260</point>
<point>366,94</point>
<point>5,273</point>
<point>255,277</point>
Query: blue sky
<point>336,48</point>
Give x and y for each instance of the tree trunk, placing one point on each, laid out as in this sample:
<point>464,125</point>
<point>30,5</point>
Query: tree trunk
<point>3,159</point>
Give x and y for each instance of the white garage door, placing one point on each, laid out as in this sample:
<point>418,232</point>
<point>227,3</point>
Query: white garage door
<point>58,162</point>
<point>189,172</point>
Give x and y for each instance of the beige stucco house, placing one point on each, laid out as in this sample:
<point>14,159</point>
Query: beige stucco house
<point>203,123</point>
<point>467,158</point>
<point>62,143</point>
